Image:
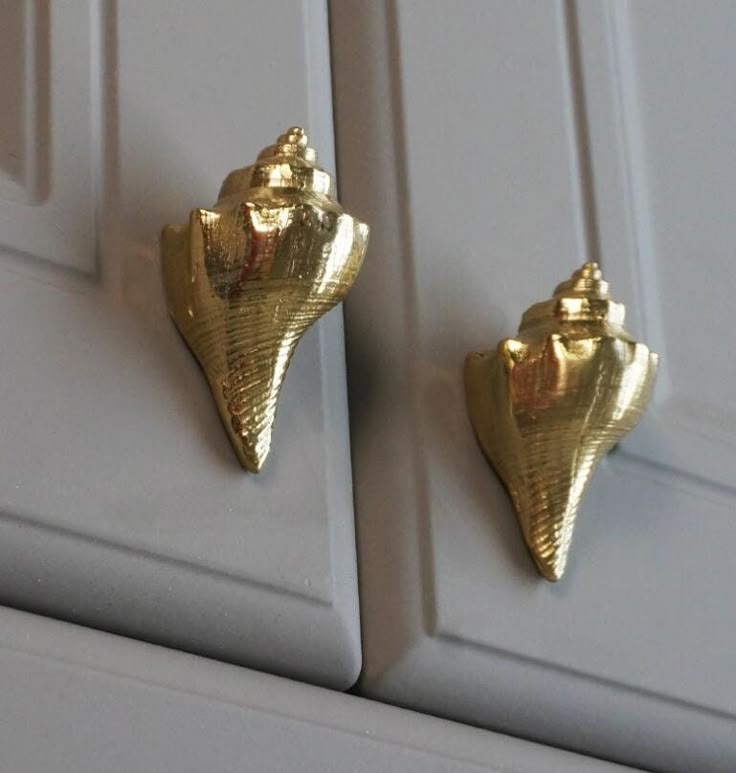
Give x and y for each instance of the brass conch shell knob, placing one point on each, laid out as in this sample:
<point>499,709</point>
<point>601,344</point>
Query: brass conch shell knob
<point>245,279</point>
<point>548,405</point>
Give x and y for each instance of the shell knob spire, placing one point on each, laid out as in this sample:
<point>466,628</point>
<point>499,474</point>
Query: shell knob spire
<point>547,405</point>
<point>245,279</point>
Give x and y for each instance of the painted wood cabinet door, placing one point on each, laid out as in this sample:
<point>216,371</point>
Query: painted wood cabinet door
<point>122,505</point>
<point>493,147</point>
<point>91,702</point>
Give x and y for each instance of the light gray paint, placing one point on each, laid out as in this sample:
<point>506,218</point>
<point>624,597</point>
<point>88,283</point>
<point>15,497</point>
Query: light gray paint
<point>663,160</point>
<point>84,701</point>
<point>122,505</point>
<point>490,157</point>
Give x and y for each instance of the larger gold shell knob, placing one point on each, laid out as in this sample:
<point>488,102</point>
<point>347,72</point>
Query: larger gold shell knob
<point>549,404</point>
<point>245,279</point>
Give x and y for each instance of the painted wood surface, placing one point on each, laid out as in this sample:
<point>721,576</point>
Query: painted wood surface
<point>494,147</point>
<point>82,700</point>
<point>122,505</point>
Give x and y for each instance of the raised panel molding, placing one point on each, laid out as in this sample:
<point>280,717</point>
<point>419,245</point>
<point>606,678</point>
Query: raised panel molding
<point>50,126</point>
<point>24,94</point>
<point>472,142</point>
<point>662,183</point>
<point>121,504</point>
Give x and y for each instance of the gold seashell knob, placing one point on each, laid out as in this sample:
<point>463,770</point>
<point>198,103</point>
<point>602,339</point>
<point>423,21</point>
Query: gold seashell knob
<point>547,405</point>
<point>245,279</point>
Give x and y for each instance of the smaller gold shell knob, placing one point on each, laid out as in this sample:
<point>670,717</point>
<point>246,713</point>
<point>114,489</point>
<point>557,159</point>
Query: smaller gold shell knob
<point>245,279</point>
<point>547,405</point>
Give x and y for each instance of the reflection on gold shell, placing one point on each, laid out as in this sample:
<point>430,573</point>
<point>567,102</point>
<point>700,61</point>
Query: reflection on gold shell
<point>549,404</point>
<point>245,279</point>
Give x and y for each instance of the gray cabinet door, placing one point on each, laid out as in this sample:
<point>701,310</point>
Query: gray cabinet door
<point>121,503</point>
<point>493,147</point>
<point>89,702</point>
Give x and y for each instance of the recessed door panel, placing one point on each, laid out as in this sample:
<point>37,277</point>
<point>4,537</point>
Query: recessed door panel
<point>495,147</point>
<point>123,506</point>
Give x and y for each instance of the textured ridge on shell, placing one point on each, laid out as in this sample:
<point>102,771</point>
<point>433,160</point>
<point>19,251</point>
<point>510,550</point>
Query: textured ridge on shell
<point>586,281</point>
<point>247,278</point>
<point>548,405</point>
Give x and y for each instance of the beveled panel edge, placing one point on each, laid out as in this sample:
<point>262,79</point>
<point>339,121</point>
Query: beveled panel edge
<point>492,688</point>
<point>257,625</point>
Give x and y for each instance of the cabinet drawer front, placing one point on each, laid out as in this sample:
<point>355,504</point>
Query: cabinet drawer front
<point>123,506</point>
<point>83,700</point>
<point>494,147</point>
